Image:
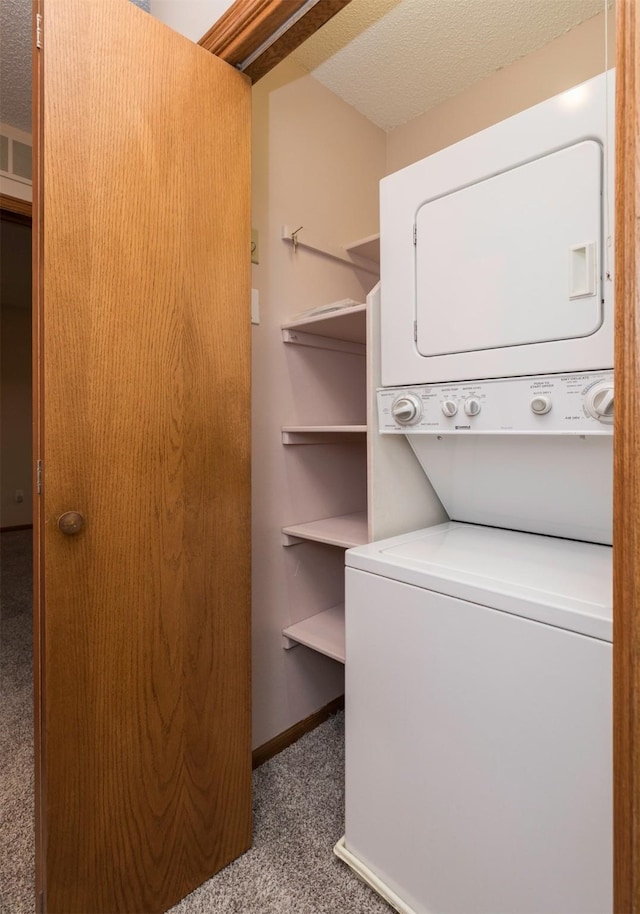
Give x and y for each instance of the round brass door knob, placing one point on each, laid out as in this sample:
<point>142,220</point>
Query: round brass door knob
<point>70,523</point>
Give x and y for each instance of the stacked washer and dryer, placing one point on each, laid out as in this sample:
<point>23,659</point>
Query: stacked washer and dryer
<point>478,675</point>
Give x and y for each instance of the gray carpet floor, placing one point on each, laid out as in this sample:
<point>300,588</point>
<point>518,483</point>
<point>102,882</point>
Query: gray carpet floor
<point>298,796</point>
<point>16,725</point>
<point>298,817</point>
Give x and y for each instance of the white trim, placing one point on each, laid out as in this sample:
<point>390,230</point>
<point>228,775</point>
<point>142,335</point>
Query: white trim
<point>15,189</point>
<point>20,135</point>
<point>373,881</point>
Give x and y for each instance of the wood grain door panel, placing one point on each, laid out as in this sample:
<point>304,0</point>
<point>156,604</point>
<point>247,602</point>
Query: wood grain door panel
<point>626,494</point>
<point>143,214</point>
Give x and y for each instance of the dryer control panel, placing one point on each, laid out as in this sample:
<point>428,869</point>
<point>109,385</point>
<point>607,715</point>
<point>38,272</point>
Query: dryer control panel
<point>579,403</point>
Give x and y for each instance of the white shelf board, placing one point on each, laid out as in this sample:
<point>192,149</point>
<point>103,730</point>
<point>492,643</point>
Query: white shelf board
<point>368,247</point>
<point>346,530</point>
<point>348,325</point>
<point>323,632</point>
<point>323,434</point>
<point>322,342</point>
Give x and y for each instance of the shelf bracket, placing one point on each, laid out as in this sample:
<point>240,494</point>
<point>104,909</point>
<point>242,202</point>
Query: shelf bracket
<point>288,540</point>
<point>300,338</point>
<point>288,643</point>
<point>327,250</point>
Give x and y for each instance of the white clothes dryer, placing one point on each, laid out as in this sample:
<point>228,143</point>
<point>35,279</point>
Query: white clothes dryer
<point>478,722</point>
<point>496,253</point>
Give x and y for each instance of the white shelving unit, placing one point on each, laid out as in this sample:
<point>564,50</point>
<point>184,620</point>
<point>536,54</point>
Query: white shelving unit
<point>322,434</point>
<point>323,632</point>
<point>343,329</point>
<point>368,248</point>
<point>345,531</point>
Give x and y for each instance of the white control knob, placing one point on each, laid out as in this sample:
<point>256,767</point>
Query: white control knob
<point>406,409</point>
<point>599,401</point>
<point>541,405</point>
<point>449,407</point>
<point>472,406</point>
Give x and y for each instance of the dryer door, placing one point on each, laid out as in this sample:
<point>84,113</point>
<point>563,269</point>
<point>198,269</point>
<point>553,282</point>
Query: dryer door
<point>514,259</point>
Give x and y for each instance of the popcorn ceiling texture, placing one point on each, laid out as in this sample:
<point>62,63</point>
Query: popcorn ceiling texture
<point>422,52</point>
<point>389,67</point>
<point>15,61</point>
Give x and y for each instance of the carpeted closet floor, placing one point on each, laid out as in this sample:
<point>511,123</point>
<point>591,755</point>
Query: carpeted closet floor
<point>16,725</point>
<point>298,796</point>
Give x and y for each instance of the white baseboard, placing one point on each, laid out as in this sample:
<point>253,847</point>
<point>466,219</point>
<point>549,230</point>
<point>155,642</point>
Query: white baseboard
<point>371,879</point>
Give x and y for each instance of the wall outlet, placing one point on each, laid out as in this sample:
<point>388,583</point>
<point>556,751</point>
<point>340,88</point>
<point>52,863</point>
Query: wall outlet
<point>19,495</point>
<point>255,307</point>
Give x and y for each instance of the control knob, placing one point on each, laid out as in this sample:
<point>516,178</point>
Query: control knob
<point>449,407</point>
<point>406,409</point>
<point>599,401</point>
<point>472,406</point>
<point>540,404</point>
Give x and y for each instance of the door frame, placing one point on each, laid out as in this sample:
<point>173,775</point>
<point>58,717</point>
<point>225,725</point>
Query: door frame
<point>16,207</point>
<point>626,498</point>
<point>255,35</point>
<point>22,212</point>
<point>37,445</point>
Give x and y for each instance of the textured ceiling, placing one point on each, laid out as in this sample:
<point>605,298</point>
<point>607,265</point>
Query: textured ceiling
<point>394,59</point>
<point>390,59</point>
<point>15,61</point>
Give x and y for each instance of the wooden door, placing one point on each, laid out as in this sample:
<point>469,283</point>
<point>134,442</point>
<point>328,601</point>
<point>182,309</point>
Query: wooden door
<point>142,249</point>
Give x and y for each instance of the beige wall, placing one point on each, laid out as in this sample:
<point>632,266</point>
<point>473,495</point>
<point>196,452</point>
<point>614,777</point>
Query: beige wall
<point>192,18</point>
<point>567,61</point>
<point>316,163</point>
<point>15,427</point>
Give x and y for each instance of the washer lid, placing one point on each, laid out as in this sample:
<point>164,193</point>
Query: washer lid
<point>560,582</point>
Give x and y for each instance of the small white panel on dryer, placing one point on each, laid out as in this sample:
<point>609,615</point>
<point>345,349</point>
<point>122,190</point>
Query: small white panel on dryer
<point>491,258</point>
<point>582,270</point>
<point>571,404</point>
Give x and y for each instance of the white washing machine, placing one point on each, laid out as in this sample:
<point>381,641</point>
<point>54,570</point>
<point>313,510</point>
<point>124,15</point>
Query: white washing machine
<point>478,673</point>
<point>478,653</point>
<point>478,729</point>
